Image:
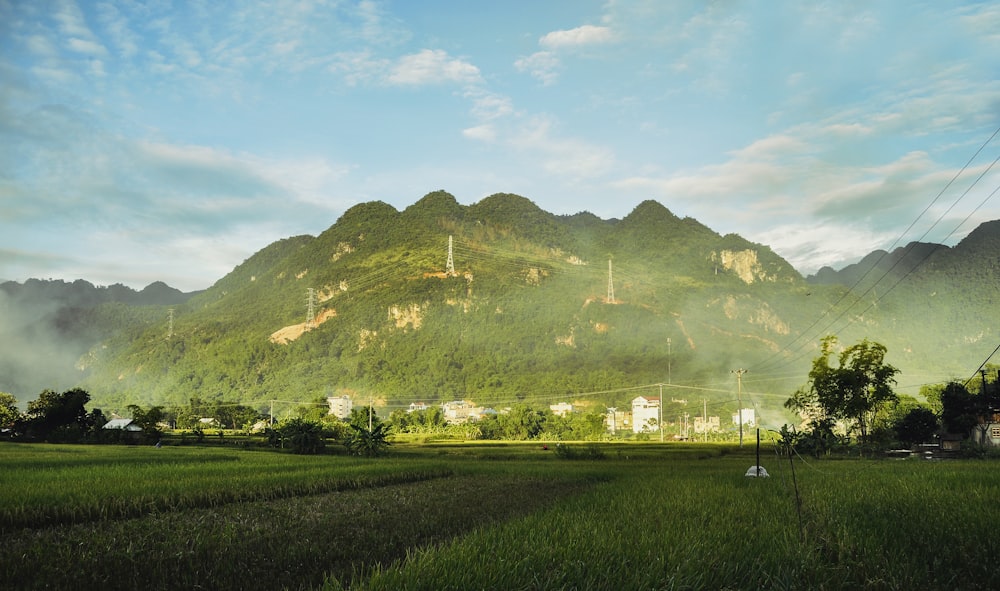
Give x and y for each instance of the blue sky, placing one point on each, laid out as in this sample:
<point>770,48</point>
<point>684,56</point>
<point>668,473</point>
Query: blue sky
<point>157,140</point>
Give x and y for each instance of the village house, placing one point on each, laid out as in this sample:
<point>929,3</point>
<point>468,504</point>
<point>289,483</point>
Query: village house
<point>645,414</point>
<point>561,409</point>
<point>459,412</point>
<point>340,406</point>
<point>711,425</point>
<point>749,417</point>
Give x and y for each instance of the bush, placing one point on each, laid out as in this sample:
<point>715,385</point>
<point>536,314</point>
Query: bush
<point>302,436</point>
<point>585,452</point>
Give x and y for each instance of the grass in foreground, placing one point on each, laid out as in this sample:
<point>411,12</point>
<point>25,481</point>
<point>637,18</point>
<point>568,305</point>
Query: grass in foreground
<point>678,516</point>
<point>700,524</point>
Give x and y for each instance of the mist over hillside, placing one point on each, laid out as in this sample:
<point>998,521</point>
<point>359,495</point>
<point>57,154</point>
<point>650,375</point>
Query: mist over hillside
<point>502,303</point>
<point>48,326</point>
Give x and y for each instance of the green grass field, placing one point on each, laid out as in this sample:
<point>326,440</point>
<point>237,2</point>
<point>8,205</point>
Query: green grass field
<point>491,516</point>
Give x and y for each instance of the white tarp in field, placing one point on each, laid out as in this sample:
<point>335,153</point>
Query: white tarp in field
<point>757,472</point>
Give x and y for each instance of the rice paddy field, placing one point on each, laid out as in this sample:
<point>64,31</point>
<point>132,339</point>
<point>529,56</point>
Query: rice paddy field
<point>492,516</point>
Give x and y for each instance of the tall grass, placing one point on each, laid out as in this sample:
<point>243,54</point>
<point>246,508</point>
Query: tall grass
<point>478,516</point>
<point>700,524</point>
<point>52,484</point>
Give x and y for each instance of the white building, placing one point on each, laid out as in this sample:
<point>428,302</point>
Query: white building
<point>340,406</point>
<point>562,409</point>
<point>416,406</point>
<point>749,418</point>
<point>458,412</point>
<point>618,420</point>
<point>645,414</point>
<point>711,425</point>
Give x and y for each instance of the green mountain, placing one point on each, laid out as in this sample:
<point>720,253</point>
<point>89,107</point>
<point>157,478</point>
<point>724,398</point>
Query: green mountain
<point>535,308</point>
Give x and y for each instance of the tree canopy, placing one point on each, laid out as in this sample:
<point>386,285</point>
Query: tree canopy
<point>855,390</point>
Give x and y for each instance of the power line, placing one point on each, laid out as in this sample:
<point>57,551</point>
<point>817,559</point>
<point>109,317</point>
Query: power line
<point>770,360</point>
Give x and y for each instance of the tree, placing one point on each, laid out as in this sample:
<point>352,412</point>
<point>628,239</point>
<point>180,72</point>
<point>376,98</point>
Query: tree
<point>58,417</point>
<point>959,409</point>
<point>149,420</point>
<point>856,390</point>
<point>9,415</point>
<point>303,437</point>
<point>522,422</point>
<point>916,426</point>
<point>367,442</point>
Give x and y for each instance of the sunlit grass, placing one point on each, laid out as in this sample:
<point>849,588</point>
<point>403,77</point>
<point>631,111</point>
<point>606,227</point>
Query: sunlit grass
<point>492,516</point>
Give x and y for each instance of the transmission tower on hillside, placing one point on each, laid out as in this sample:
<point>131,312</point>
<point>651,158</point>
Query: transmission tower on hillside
<point>170,323</point>
<point>450,267</point>
<point>611,285</point>
<point>310,307</point>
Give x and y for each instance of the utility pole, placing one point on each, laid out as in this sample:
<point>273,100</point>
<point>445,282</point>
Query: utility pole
<point>614,419</point>
<point>739,398</point>
<point>704,420</point>
<point>449,269</point>
<point>611,285</point>
<point>370,414</point>
<point>659,414</point>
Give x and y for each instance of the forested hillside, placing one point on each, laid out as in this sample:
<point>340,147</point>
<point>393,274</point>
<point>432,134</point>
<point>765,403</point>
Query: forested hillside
<point>536,308</point>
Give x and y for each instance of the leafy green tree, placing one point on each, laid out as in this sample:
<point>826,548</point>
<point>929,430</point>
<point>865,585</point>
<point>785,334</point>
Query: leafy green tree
<point>522,422</point>
<point>9,414</point>
<point>149,420</point>
<point>368,442</point>
<point>960,409</point>
<point>301,436</point>
<point>855,390</point>
<point>58,417</point>
<point>916,426</point>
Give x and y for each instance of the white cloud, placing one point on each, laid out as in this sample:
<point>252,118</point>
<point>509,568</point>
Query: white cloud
<point>572,159</point>
<point>487,106</point>
<point>486,133</point>
<point>87,47</point>
<point>432,66</point>
<point>357,67</point>
<point>580,36</point>
<point>542,65</point>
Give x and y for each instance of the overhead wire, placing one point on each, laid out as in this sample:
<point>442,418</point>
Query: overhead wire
<point>771,361</point>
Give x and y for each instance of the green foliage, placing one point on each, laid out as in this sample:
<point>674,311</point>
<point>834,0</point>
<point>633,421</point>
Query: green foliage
<point>368,442</point>
<point>917,426</point>
<point>302,436</point>
<point>58,418</point>
<point>9,414</point>
<point>857,389</point>
<point>590,451</point>
<point>148,419</point>
<point>525,319</point>
<point>960,409</point>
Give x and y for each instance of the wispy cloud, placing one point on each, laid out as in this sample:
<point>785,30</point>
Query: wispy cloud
<point>432,66</point>
<point>543,65</point>
<point>578,37</point>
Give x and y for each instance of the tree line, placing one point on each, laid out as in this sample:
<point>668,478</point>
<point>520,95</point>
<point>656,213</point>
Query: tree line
<point>849,399</point>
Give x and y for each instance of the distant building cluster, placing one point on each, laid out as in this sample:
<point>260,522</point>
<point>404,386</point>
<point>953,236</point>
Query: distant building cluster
<point>643,415</point>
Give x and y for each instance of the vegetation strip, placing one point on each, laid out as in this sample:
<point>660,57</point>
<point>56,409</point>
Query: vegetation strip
<point>50,485</point>
<point>289,543</point>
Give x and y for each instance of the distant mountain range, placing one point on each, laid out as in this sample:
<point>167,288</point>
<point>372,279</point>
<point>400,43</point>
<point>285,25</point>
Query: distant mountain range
<point>501,302</point>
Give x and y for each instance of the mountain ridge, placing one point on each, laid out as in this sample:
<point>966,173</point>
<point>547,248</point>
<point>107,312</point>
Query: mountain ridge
<point>540,305</point>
